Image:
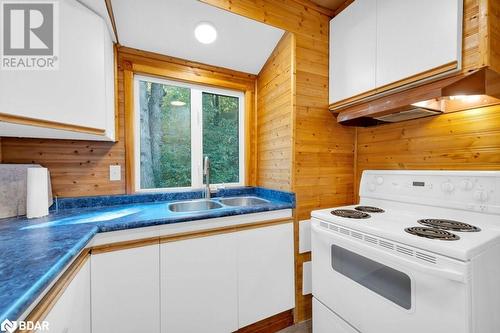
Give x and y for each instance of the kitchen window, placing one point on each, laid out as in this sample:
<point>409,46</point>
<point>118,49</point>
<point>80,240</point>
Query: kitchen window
<point>176,125</point>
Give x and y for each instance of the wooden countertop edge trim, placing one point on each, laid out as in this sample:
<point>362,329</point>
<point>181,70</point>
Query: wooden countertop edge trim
<point>21,120</point>
<point>50,299</point>
<point>129,244</point>
<point>223,230</point>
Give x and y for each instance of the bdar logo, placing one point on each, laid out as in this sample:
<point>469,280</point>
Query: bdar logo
<point>8,326</point>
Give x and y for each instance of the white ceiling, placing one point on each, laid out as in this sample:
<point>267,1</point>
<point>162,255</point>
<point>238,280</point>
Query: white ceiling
<point>167,27</point>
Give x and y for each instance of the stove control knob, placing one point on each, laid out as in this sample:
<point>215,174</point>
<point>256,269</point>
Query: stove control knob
<point>379,180</point>
<point>372,187</point>
<point>447,187</point>
<point>466,185</point>
<point>481,196</point>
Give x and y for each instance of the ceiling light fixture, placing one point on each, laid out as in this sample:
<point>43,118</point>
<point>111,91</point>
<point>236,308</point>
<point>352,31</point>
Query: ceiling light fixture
<point>177,103</point>
<point>205,33</point>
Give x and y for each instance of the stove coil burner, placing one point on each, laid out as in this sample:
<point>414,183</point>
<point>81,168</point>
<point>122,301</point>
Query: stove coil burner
<point>448,225</point>
<point>349,213</point>
<point>432,233</point>
<point>369,209</point>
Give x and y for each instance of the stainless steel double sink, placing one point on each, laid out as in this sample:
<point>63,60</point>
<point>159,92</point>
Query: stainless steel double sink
<point>209,204</point>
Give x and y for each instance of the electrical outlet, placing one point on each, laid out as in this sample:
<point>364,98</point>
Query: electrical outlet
<point>115,172</point>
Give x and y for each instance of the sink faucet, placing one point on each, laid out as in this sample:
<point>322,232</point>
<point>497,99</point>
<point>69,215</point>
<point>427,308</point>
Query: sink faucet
<point>206,173</point>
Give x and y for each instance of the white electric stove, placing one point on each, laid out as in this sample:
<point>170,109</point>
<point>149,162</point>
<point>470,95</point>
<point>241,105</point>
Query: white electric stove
<point>420,253</point>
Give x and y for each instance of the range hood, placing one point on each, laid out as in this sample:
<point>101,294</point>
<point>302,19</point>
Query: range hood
<point>461,92</point>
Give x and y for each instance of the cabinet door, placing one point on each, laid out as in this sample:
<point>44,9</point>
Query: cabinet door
<point>79,92</point>
<point>265,272</point>
<point>71,313</point>
<point>416,36</point>
<point>198,285</point>
<point>352,50</point>
<point>126,290</point>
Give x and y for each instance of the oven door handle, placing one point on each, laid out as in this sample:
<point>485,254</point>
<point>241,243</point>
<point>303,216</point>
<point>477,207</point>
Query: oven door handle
<point>373,253</point>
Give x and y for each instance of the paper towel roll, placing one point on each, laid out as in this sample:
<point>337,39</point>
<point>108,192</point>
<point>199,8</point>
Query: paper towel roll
<point>37,193</point>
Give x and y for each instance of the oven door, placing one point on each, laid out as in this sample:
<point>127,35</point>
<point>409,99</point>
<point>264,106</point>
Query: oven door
<point>377,291</point>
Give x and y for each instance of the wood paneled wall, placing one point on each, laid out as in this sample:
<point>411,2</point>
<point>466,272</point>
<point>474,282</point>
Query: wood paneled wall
<point>466,140</point>
<point>323,151</point>
<point>77,168</point>
<point>275,105</point>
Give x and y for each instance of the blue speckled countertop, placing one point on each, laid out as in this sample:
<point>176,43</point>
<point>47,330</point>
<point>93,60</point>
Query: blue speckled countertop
<point>34,252</point>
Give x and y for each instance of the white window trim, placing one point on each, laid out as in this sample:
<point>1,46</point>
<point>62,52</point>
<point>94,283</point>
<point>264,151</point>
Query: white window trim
<point>196,133</point>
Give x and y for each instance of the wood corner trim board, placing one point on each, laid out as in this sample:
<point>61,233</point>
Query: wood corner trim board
<point>21,120</point>
<point>48,301</point>
<point>128,88</point>
<point>109,8</point>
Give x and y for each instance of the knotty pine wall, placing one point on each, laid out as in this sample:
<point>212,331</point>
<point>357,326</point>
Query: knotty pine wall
<point>77,168</point>
<point>467,140</point>
<point>275,105</point>
<point>322,153</point>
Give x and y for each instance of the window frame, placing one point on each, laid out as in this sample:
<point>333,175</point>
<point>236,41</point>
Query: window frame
<point>196,95</point>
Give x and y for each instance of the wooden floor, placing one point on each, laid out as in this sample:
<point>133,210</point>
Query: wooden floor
<point>303,327</point>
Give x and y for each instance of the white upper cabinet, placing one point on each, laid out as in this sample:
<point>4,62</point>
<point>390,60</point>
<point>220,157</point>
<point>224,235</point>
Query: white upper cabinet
<point>75,101</point>
<point>352,45</point>
<point>416,36</point>
<point>376,43</point>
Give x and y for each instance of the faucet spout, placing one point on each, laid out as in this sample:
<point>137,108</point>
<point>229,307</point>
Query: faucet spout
<point>206,173</point>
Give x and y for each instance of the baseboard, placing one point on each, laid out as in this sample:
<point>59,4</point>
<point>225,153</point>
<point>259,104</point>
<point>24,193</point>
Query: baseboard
<point>270,325</point>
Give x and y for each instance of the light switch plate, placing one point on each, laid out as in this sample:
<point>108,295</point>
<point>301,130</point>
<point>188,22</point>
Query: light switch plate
<point>306,278</point>
<point>115,172</point>
<point>304,236</point>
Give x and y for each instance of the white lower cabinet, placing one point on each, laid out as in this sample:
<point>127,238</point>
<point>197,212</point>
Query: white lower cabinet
<point>126,290</point>
<point>71,313</point>
<point>265,272</point>
<point>198,285</point>
<point>221,283</point>
<point>211,284</point>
